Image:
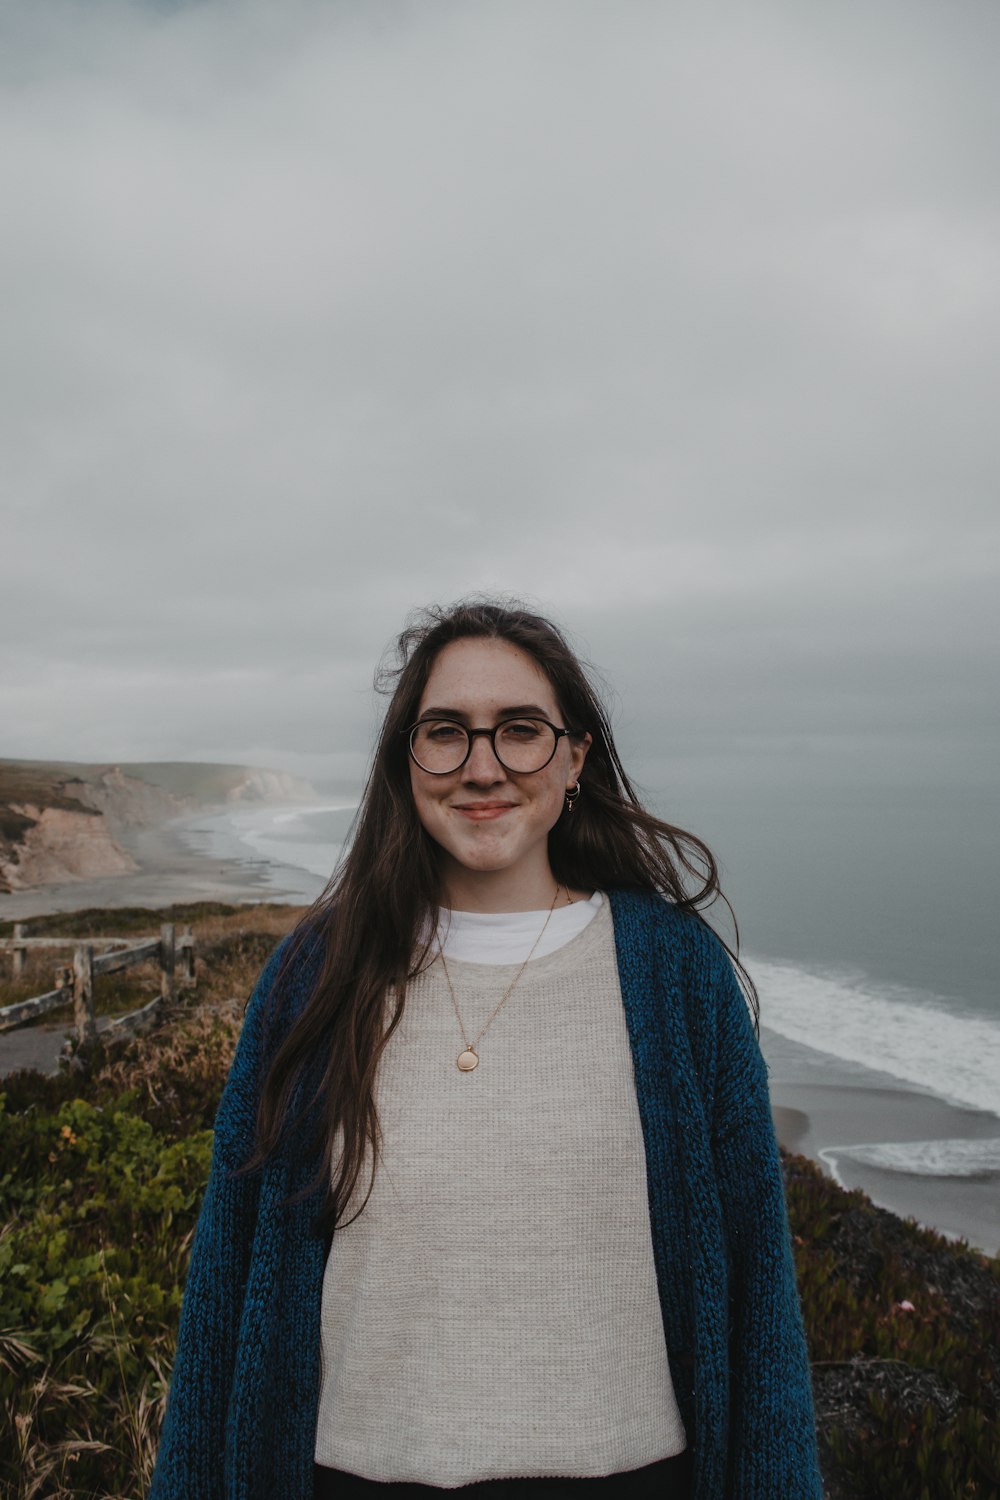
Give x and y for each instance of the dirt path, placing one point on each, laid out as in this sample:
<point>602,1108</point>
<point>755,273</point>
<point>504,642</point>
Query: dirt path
<point>36,1047</point>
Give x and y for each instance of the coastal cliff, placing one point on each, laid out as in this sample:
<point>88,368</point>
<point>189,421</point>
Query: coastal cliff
<point>62,822</point>
<point>56,845</point>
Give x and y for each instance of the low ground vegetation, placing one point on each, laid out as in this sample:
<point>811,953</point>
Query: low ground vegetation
<point>103,1168</point>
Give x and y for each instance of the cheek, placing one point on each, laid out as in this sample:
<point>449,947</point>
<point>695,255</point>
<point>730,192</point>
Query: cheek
<point>562,769</point>
<point>555,792</point>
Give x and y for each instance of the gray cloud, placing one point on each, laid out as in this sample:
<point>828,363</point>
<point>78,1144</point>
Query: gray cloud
<point>686,326</point>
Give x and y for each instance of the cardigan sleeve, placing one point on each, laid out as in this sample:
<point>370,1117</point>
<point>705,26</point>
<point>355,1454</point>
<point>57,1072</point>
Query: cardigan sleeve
<point>189,1464</point>
<point>772,1438</point>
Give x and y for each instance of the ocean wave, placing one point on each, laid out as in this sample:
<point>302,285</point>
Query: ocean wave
<point>948,1158</point>
<point>282,844</point>
<point>304,838</point>
<point>916,1038</point>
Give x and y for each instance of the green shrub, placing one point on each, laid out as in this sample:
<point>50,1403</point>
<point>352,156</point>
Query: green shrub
<point>98,1213</point>
<point>904,1332</point>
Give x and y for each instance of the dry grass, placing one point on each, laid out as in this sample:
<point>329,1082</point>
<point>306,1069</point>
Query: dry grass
<point>220,961</point>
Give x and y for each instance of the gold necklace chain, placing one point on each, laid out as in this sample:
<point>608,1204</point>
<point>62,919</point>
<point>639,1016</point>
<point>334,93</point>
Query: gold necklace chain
<point>468,1058</point>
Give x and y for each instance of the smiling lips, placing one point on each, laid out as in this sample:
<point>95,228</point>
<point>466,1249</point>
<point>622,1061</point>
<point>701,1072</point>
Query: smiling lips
<point>482,812</point>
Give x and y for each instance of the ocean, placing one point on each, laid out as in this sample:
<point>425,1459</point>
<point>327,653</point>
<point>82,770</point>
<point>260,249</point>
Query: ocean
<point>868,921</point>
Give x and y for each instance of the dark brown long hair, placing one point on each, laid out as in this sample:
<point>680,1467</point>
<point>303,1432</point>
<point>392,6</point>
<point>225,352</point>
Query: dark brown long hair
<point>372,918</point>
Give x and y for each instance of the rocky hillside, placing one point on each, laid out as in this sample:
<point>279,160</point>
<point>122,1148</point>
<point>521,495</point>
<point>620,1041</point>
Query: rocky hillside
<point>60,821</point>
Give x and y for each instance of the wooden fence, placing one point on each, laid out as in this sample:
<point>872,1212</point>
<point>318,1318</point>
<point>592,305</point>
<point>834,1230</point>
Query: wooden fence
<point>76,982</point>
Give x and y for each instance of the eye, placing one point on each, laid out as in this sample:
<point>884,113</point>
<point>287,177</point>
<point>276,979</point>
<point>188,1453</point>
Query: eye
<point>522,730</point>
<point>441,732</point>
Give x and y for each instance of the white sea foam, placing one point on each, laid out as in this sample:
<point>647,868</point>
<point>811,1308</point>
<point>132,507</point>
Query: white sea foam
<point>917,1038</point>
<point>289,837</point>
<point>955,1158</point>
<point>275,840</point>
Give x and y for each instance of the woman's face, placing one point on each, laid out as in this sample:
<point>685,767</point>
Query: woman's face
<point>492,824</point>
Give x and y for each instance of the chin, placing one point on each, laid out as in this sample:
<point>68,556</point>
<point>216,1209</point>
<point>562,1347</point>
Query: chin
<point>482,864</point>
<point>480,859</point>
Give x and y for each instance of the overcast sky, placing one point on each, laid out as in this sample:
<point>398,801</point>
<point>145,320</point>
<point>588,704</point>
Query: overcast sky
<point>683,322</point>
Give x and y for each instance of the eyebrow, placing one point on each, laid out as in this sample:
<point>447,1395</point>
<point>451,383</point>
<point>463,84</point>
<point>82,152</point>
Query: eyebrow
<point>517,711</point>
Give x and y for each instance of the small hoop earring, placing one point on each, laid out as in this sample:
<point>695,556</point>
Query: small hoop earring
<point>572,794</point>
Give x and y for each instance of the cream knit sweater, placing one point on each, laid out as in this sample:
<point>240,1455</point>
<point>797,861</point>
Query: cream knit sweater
<point>493,1312</point>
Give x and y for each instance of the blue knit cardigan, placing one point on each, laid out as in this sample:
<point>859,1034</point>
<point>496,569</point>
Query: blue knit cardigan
<point>241,1417</point>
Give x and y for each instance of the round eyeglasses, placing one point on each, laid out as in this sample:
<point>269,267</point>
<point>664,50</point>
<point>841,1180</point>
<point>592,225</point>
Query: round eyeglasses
<point>440,746</point>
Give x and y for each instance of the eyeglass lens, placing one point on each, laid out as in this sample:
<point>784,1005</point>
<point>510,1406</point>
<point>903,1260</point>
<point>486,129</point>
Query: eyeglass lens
<point>440,745</point>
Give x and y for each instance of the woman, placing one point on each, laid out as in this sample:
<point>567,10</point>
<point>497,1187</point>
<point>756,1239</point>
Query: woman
<point>495,1198</point>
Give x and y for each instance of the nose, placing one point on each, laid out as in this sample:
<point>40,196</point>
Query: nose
<point>482,765</point>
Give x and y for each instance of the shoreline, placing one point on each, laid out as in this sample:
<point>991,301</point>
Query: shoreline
<point>823,1108</point>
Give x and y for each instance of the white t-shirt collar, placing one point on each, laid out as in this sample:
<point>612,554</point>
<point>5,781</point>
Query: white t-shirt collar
<point>506,937</point>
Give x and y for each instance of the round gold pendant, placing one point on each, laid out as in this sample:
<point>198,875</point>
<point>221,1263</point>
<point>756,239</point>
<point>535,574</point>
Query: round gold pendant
<point>467,1060</point>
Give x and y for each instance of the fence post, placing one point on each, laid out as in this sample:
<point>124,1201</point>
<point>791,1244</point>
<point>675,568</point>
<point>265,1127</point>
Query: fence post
<point>19,953</point>
<point>167,938</point>
<point>83,993</point>
<point>187,956</point>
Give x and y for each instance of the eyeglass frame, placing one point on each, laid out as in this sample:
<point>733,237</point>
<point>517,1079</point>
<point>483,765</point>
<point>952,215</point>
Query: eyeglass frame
<point>491,735</point>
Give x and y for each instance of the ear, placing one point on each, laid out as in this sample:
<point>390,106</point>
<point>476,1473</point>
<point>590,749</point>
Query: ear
<point>578,754</point>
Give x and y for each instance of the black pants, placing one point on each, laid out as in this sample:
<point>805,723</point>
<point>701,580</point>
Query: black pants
<point>670,1479</point>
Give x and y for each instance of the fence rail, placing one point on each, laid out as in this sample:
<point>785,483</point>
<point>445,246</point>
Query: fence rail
<point>76,983</point>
